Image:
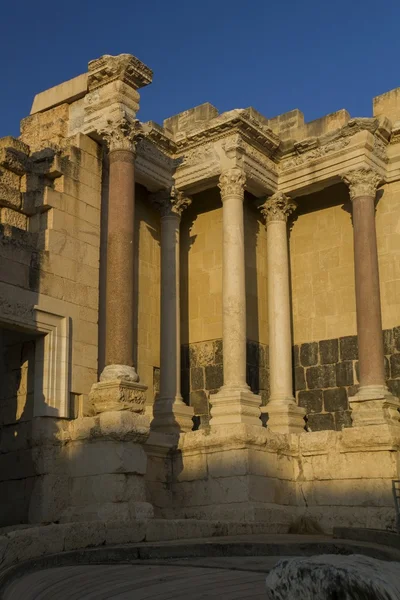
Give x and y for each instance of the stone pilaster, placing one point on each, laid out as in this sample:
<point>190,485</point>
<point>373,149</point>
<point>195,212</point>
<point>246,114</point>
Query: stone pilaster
<point>234,403</point>
<point>171,414</point>
<point>284,414</point>
<point>119,372</point>
<point>373,403</point>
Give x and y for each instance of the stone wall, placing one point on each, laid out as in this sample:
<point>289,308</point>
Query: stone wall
<point>326,374</point>
<point>202,374</point>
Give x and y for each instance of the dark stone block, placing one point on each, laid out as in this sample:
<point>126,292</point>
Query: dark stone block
<point>218,352</point>
<point>252,353</point>
<point>344,373</point>
<point>352,391</point>
<point>185,383</point>
<point>321,377</point>
<point>263,379</point>
<point>395,366</point>
<point>156,380</point>
<point>196,378</point>
<point>311,401</point>
<point>394,387</point>
<point>296,355</point>
<point>320,422</point>
<point>264,397</point>
<point>214,377</point>
<point>309,354</point>
<point>252,378</point>
<point>329,351</point>
<point>193,355</point>
<point>387,367</point>
<point>262,356</point>
<point>299,379</point>
<point>185,356</point>
<point>396,338</point>
<point>348,347</point>
<point>357,370</point>
<point>335,399</point>
<point>343,419</point>
<point>199,402</point>
<point>388,341</point>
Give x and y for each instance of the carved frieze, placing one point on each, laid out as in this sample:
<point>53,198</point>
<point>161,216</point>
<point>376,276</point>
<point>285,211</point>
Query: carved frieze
<point>362,182</point>
<point>278,207</point>
<point>305,156</point>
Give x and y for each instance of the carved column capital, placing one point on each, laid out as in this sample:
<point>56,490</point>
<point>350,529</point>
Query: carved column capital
<point>278,207</point>
<point>362,182</point>
<point>122,134</point>
<point>232,182</point>
<point>170,202</point>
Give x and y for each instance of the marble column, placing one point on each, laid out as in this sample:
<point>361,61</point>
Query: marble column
<point>234,403</point>
<point>373,402</point>
<point>284,416</point>
<point>121,136</point>
<point>170,412</point>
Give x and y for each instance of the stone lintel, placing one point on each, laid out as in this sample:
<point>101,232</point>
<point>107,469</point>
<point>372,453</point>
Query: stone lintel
<point>64,93</point>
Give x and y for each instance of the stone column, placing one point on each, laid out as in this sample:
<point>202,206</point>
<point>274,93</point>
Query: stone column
<point>121,136</point>
<point>234,403</point>
<point>171,414</point>
<point>373,402</point>
<point>284,414</point>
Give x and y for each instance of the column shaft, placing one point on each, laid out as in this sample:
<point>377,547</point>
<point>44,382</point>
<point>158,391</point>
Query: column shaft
<point>120,260</point>
<point>284,416</point>
<point>234,403</point>
<point>368,301</point>
<point>233,293</point>
<point>373,404</point>
<point>171,414</point>
<point>279,325</point>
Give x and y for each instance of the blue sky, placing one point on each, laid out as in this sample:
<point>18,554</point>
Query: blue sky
<point>276,56</point>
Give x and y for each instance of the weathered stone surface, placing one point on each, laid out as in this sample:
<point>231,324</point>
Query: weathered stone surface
<point>348,348</point>
<point>199,402</point>
<point>335,399</point>
<point>334,576</point>
<point>309,354</point>
<point>214,377</point>
<point>311,400</point>
<point>388,341</point>
<point>344,373</point>
<point>323,376</point>
<point>299,379</point>
<point>329,351</point>
<point>395,366</point>
<point>320,422</point>
<point>197,378</point>
<point>342,419</point>
<point>396,338</point>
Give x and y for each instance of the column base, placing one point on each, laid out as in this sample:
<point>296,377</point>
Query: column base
<point>284,416</point>
<point>172,415</point>
<point>122,372</point>
<point>374,405</point>
<point>118,395</point>
<point>235,405</point>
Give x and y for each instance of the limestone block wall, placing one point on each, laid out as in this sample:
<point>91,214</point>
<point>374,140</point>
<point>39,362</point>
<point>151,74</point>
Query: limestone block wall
<point>49,271</point>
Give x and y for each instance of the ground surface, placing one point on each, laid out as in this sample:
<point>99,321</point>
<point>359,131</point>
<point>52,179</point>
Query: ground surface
<point>223,578</point>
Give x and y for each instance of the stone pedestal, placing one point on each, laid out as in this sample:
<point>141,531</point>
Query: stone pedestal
<point>234,403</point>
<point>284,414</point>
<point>171,414</point>
<point>373,403</point>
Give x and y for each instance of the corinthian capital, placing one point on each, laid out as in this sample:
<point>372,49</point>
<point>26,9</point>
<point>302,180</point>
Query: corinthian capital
<point>231,183</point>
<point>278,207</point>
<point>170,202</point>
<point>122,134</point>
<point>362,182</point>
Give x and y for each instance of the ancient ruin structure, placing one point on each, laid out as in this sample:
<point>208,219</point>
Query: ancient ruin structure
<point>199,319</point>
